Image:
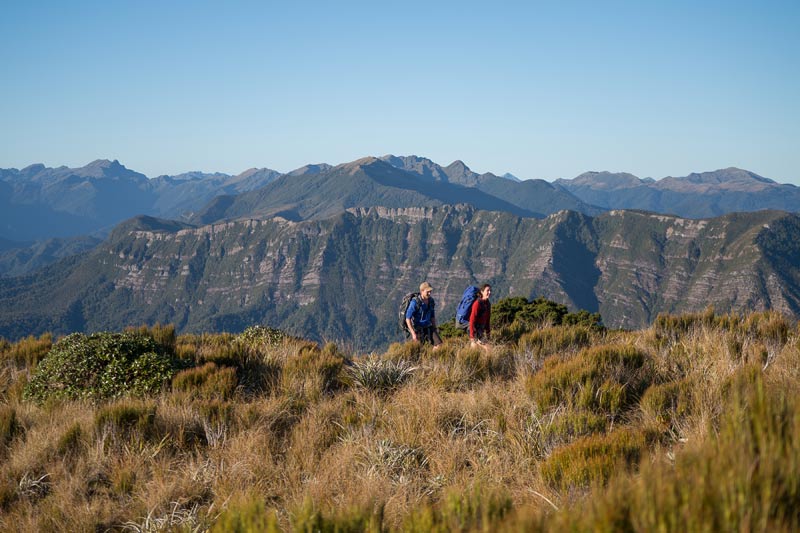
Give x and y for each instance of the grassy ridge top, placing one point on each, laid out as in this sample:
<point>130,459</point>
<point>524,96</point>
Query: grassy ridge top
<point>691,424</point>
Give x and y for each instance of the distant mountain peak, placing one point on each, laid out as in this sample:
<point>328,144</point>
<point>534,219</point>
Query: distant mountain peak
<point>104,168</point>
<point>359,164</point>
<point>606,180</point>
<point>310,169</point>
<point>510,176</point>
<point>30,170</point>
<point>457,166</point>
<point>730,179</point>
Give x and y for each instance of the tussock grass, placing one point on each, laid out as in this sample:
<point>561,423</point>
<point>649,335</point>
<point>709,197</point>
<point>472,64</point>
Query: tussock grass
<point>689,425</point>
<point>380,375</point>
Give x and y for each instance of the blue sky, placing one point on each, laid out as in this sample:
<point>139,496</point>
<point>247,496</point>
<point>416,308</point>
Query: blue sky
<point>539,89</point>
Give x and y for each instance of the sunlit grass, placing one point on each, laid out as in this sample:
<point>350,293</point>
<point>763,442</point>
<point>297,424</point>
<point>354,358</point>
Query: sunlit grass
<point>689,425</point>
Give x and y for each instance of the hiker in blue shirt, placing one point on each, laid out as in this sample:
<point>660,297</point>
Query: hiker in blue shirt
<point>421,317</point>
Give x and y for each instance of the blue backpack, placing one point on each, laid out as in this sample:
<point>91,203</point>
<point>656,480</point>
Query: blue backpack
<point>471,294</point>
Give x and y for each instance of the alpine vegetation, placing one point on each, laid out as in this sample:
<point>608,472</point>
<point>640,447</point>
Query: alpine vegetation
<point>557,423</point>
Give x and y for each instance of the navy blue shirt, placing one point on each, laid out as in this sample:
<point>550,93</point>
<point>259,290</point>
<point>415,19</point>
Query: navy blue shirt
<point>421,313</point>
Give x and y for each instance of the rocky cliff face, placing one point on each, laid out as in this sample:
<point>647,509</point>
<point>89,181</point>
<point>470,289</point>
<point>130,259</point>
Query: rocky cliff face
<point>342,278</point>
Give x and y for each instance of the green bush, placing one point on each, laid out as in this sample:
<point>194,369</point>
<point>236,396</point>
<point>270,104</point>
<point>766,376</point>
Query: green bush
<point>101,365</point>
<point>476,509</point>
<point>606,379</point>
<point>352,519</point>
<point>256,336</point>
<point>593,459</point>
<point>448,330</point>
<point>513,317</point>
<point>668,402</point>
<point>572,424</point>
<point>246,515</point>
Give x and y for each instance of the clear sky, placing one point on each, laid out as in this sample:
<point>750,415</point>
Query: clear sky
<point>539,89</point>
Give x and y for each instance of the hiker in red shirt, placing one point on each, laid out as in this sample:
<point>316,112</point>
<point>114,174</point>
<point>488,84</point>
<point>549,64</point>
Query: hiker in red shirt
<point>480,317</point>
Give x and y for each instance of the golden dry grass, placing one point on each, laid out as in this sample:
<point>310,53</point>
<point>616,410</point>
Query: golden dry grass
<point>689,425</point>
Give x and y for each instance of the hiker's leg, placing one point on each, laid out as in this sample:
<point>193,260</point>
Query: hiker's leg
<point>436,340</point>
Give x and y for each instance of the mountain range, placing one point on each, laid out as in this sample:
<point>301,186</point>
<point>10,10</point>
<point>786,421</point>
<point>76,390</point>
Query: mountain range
<point>698,195</point>
<point>340,278</point>
<point>45,208</point>
<point>326,250</point>
<point>39,203</point>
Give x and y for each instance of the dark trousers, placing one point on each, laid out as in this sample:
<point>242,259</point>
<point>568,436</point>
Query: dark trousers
<point>427,335</point>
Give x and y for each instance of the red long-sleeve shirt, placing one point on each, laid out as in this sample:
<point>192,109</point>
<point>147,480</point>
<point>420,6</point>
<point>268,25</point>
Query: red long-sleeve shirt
<point>480,315</point>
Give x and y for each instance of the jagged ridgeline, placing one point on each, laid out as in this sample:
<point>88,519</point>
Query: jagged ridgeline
<point>341,278</point>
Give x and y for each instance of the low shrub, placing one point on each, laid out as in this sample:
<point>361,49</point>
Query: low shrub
<point>569,425</point>
<point>668,402</point>
<point>246,514</point>
<point>540,312</point>
<point>352,519</point>
<point>260,336</point>
<point>606,379</point>
<point>101,365</point>
<point>593,459</point>
<point>476,509</point>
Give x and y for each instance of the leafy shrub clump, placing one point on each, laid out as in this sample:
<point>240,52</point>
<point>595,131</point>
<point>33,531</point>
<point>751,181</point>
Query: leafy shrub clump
<point>101,365</point>
<point>512,317</point>
<point>261,335</point>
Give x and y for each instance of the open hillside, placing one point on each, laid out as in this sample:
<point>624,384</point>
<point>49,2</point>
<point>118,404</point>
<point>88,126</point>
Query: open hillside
<point>342,278</point>
<point>692,424</point>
